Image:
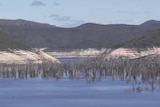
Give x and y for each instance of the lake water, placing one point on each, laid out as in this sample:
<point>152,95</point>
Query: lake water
<point>65,92</point>
<point>73,93</point>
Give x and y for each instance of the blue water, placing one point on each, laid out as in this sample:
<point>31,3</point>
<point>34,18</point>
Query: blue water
<point>72,60</point>
<point>73,93</point>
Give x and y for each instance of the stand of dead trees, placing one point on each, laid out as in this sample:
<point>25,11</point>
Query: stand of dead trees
<point>142,73</point>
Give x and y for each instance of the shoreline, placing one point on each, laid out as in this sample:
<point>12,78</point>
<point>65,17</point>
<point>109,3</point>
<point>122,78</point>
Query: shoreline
<point>25,57</point>
<point>78,53</point>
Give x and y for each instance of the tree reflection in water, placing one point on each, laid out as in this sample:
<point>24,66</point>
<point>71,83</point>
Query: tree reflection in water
<point>141,73</point>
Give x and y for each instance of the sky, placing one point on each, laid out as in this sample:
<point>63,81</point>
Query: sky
<point>71,13</point>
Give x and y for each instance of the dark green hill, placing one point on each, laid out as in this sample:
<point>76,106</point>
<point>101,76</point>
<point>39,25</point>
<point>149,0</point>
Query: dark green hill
<point>88,35</point>
<point>146,41</point>
<point>7,42</point>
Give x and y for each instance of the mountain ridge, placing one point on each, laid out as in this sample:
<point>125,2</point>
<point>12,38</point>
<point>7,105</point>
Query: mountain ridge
<point>88,35</point>
<point>151,23</point>
<point>22,22</point>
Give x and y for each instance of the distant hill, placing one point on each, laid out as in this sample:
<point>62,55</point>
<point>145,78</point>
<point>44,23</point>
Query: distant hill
<point>146,41</point>
<point>88,35</point>
<point>24,23</point>
<point>151,23</point>
<point>7,42</point>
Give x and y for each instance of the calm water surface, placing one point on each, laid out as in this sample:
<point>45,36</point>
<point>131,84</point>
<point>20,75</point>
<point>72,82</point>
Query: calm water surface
<point>73,93</point>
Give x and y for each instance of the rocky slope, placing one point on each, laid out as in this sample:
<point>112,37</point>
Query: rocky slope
<point>25,57</point>
<point>132,53</point>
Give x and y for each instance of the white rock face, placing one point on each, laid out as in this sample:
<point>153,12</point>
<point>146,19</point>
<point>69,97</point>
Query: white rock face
<point>131,53</point>
<point>23,57</point>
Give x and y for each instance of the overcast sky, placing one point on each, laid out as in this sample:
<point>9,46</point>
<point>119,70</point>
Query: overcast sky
<point>70,13</point>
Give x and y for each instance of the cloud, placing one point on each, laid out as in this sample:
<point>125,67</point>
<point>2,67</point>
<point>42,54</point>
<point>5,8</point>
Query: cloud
<point>134,12</point>
<point>147,12</point>
<point>37,3</point>
<point>56,4</point>
<point>66,21</point>
<point>60,18</point>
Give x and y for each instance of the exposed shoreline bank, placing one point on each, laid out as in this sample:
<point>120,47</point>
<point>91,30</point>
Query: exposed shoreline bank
<point>25,57</point>
<point>38,56</point>
<point>130,53</point>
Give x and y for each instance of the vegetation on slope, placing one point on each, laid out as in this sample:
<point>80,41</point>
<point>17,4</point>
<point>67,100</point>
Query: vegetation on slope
<point>88,35</point>
<point>7,42</point>
<point>146,41</point>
